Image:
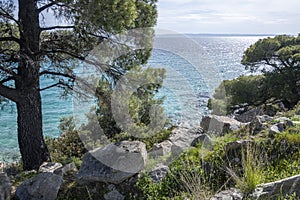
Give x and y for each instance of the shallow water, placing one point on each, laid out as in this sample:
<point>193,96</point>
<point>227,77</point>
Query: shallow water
<point>195,66</point>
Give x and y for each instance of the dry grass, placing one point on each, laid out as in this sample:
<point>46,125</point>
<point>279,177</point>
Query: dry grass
<point>195,185</point>
<point>251,174</point>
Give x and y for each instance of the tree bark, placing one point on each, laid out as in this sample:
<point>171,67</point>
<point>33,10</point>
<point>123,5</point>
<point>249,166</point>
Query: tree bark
<point>31,142</point>
<point>30,132</point>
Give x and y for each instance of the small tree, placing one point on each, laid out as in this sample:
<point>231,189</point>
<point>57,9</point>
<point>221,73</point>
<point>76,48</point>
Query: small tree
<point>279,59</point>
<point>247,90</point>
<point>30,49</point>
<point>139,104</point>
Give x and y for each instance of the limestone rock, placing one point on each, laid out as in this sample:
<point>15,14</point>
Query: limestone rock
<point>265,118</point>
<point>232,194</point>
<point>160,149</point>
<point>234,146</point>
<point>240,109</point>
<point>280,127</point>
<point>274,107</point>
<point>286,121</point>
<point>5,187</point>
<point>44,186</point>
<point>50,167</point>
<point>219,125</point>
<point>114,195</point>
<point>113,163</point>
<point>274,129</point>
<point>275,189</point>
<point>202,138</point>
<point>196,131</point>
<point>258,124</point>
<point>158,173</point>
<point>65,169</point>
<point>249,115</point>
<point>182,138</point>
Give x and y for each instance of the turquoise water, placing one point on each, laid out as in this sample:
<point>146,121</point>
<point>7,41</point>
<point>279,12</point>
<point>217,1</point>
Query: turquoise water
<point>195,66</point>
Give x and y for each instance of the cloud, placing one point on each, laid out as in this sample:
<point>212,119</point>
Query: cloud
<point>256,16</point>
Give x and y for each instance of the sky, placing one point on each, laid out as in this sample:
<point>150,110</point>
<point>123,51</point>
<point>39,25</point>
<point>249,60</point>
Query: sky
<point>230,16</point>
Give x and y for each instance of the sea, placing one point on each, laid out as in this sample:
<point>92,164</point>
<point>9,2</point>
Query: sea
<point>195,65</point>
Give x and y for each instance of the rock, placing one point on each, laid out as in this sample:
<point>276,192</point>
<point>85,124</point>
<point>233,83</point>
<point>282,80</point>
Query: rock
<point>202,138</point>
<point>258,124</point>
<point>113,163</point>
<point>234,146</point>
<point>5,187</point>
<point>114,195</point>
<point>50,167</point>
<point>278,128</point>
<point>160,149</point>
<point>249,115</point>
<point>280,105</point>
<point>111,187</point>
<point>275,189</point>
<point>286,121</point>
<point>274,107</point>
<point>67,168</point>
<point>196,131</point>
<point>274,129</point>
<point>232,194</point>
<point>158,173</point>
<point>44,186</point>
<point>182,138</point>
<point>219,125</point>
<point>265,118</point>
<point>240,109</point>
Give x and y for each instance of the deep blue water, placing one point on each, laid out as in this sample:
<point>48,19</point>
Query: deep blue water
<point>195,66</point>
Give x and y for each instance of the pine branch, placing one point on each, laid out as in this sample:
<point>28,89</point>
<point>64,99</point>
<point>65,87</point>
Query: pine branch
<point>9,93</point>
<point>56,27</point>
<point>72,54</point>
<point>8,71</point>
<point>51,86</point>
<point>41,9</point>
<point>11,38</point>
<point>58,74</point>
<point>6,80</point>
<point>5,14</point>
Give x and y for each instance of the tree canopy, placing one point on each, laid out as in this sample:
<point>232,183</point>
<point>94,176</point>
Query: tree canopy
<point>280,53</point>
<point>31,48</point>
<point>279,59</point>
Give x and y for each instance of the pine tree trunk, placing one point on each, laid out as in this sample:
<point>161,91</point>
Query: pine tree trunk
<point>31,142</point>
<point>30,132</point>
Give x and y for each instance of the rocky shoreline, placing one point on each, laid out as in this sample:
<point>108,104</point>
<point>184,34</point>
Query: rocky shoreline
<point>119,164</point>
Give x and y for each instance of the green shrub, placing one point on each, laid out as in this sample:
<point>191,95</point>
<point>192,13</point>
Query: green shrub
<point>72,190</point>
<point>68,147</point>
<point>294,113</point>
<point>197,173</point>
<point>244,89</point>
<point>283,154</point>
<point>254,91</point>
<point>284,86</point>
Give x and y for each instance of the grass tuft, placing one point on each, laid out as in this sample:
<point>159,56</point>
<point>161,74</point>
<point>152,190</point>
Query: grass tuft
<point>251,174</point>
